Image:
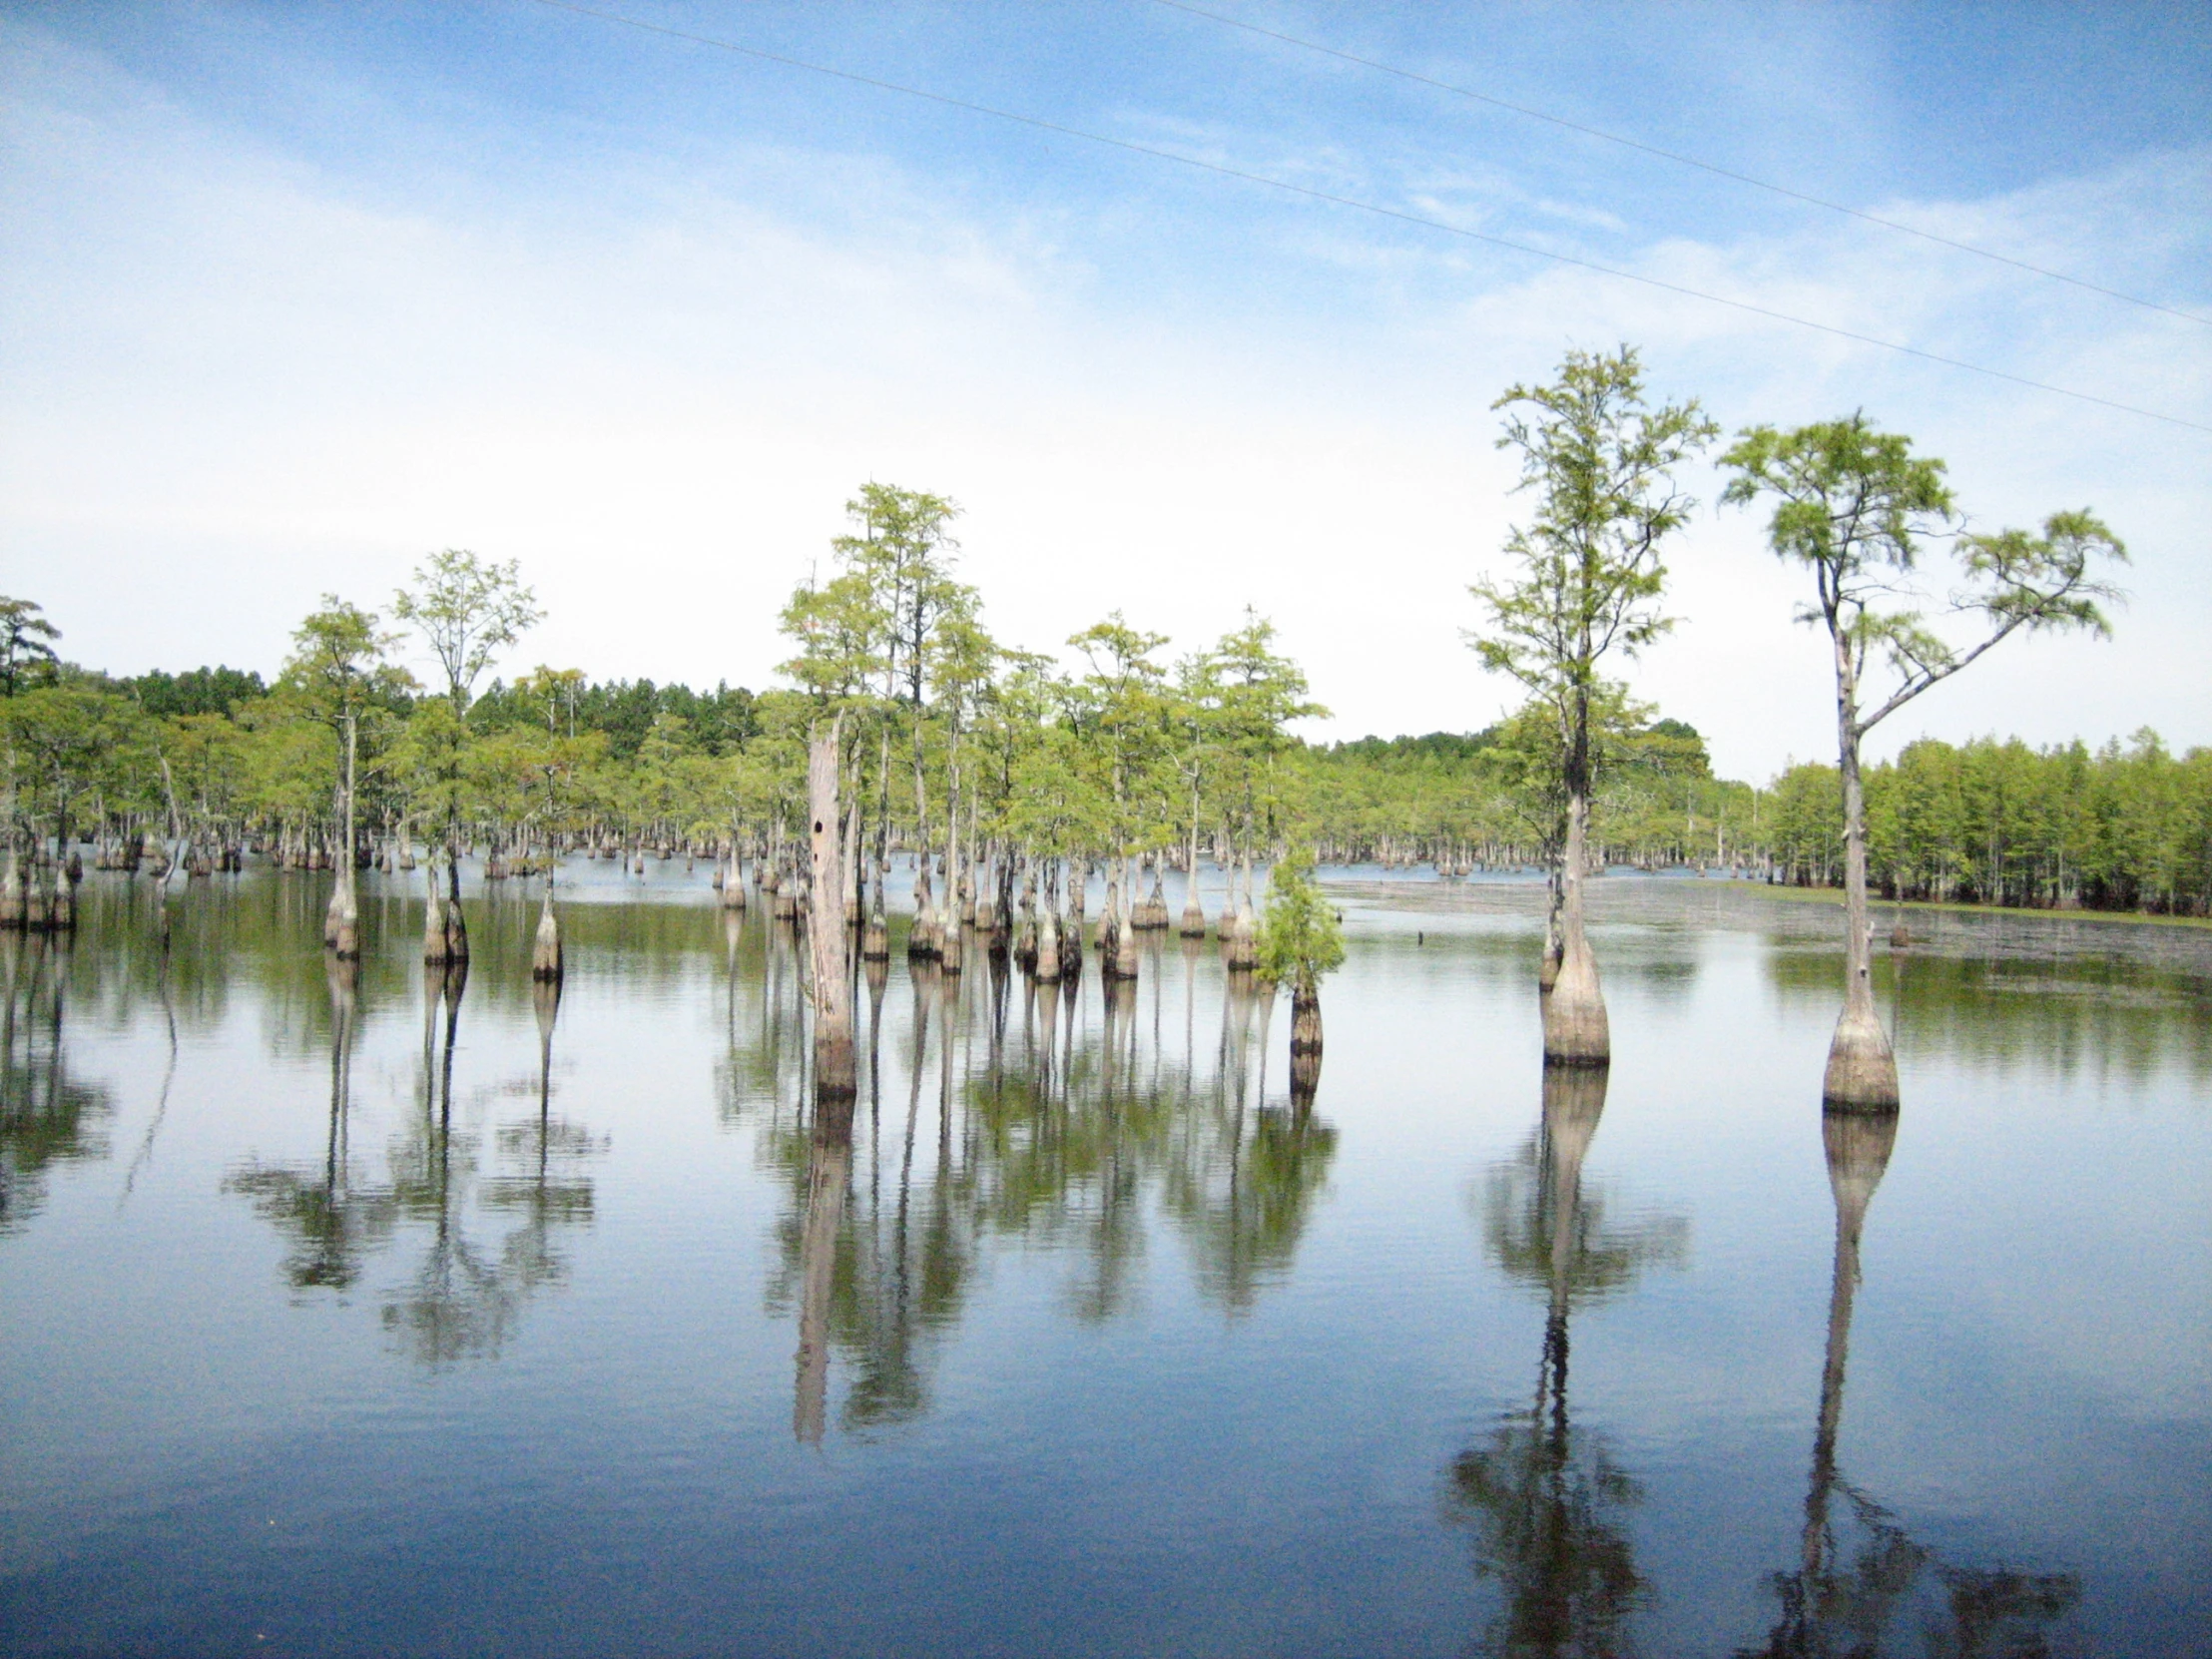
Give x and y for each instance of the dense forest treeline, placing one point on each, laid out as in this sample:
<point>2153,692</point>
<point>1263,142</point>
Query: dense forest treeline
<point>989,756</point>
<point>2128,825</point>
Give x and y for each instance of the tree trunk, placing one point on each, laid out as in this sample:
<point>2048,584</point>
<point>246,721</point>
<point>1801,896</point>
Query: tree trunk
<point>1305,1017</point>
<point>545,950</point>
<point>433,920</point>
<point>1194,913</point>
<point>855,884</point>
<point>833,1064</point>
<point>1576,1031</point>
<point>1243,932</point>
<point>1862,1067</point>
<point>1047,966</point>
<point>1123,964</point>
<point>341,928</point>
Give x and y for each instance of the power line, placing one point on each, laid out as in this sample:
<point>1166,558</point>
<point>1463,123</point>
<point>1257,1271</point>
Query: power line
<point>1039,124</point>
<point>1676,157</point>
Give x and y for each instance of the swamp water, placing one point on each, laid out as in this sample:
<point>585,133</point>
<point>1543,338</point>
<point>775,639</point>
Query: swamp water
<point>368,1319</point>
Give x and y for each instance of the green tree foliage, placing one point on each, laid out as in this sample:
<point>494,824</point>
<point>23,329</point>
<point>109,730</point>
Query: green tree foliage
<point>70,740</point>
<point>1854,507</point>
<point>467,609</point>
<point>26,645</point>
<point>1587,576</point>
<point>1118,748</point>
<point>1299,940</point>
<point>199,691</point>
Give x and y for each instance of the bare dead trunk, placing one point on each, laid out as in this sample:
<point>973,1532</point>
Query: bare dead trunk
<point>834,1062</point>
<point>855,883</point>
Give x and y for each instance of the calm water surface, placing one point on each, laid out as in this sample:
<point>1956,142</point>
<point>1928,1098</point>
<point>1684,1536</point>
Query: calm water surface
<point>406,1318</point>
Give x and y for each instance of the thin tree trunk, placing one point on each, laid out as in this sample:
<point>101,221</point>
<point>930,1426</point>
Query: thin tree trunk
<point>834,1063</point>
<point>341,926</point>
<point>1862,1067</point>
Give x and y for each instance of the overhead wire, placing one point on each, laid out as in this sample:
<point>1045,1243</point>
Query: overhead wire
<point>1675,156</point>
<point>1131,146</point>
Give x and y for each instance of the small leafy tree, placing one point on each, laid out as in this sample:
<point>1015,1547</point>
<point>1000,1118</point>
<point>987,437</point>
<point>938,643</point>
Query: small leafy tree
<point>26,644</point>
<point>467,609</point>
<point>1300,941</point>
<point>1586,583</point>
<point>1854,506</point>
<point>340,668</point>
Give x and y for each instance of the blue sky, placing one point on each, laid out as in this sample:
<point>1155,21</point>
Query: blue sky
<point>292,294</point>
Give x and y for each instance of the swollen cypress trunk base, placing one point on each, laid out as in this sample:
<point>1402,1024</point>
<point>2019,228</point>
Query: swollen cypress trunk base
<point>545,949</point>
<point>1576,1031</point>
<point>343,929</point>
<point>433,924</point>
<point>1194,913</point>
<point>1862,1073</point>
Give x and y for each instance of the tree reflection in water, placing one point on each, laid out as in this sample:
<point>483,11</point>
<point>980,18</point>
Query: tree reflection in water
<point>328,1221</point>
<point>47,1116</point>
<point>1862,1585</point>
<point>1547,1502</point>
<point>999,1107</point>
<point>462,1299</point>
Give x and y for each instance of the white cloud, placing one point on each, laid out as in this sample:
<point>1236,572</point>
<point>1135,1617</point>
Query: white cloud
<point>230,383</point>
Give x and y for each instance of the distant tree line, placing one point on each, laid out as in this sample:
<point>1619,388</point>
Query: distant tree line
<point>2126,826</point>
<point>1115,755</point>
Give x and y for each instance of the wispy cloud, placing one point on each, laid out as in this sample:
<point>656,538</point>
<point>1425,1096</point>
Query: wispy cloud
<point>230,380</point>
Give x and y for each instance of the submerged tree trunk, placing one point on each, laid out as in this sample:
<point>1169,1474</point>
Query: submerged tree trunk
<point>545,949</point>
<point>1305,1016</point>
<point>834,1063</point>
<point>1124,958</point>
<point>14,900</point>
<point>1242,932</point>
<point>341,927</point>
<point>1576,1028</point>
<point>1047,967</point>
<point>1555,936</point>
<point>1862,1067</point>
<point>1194,913</point>
<point>433,919</point>
<point>855,885</point>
